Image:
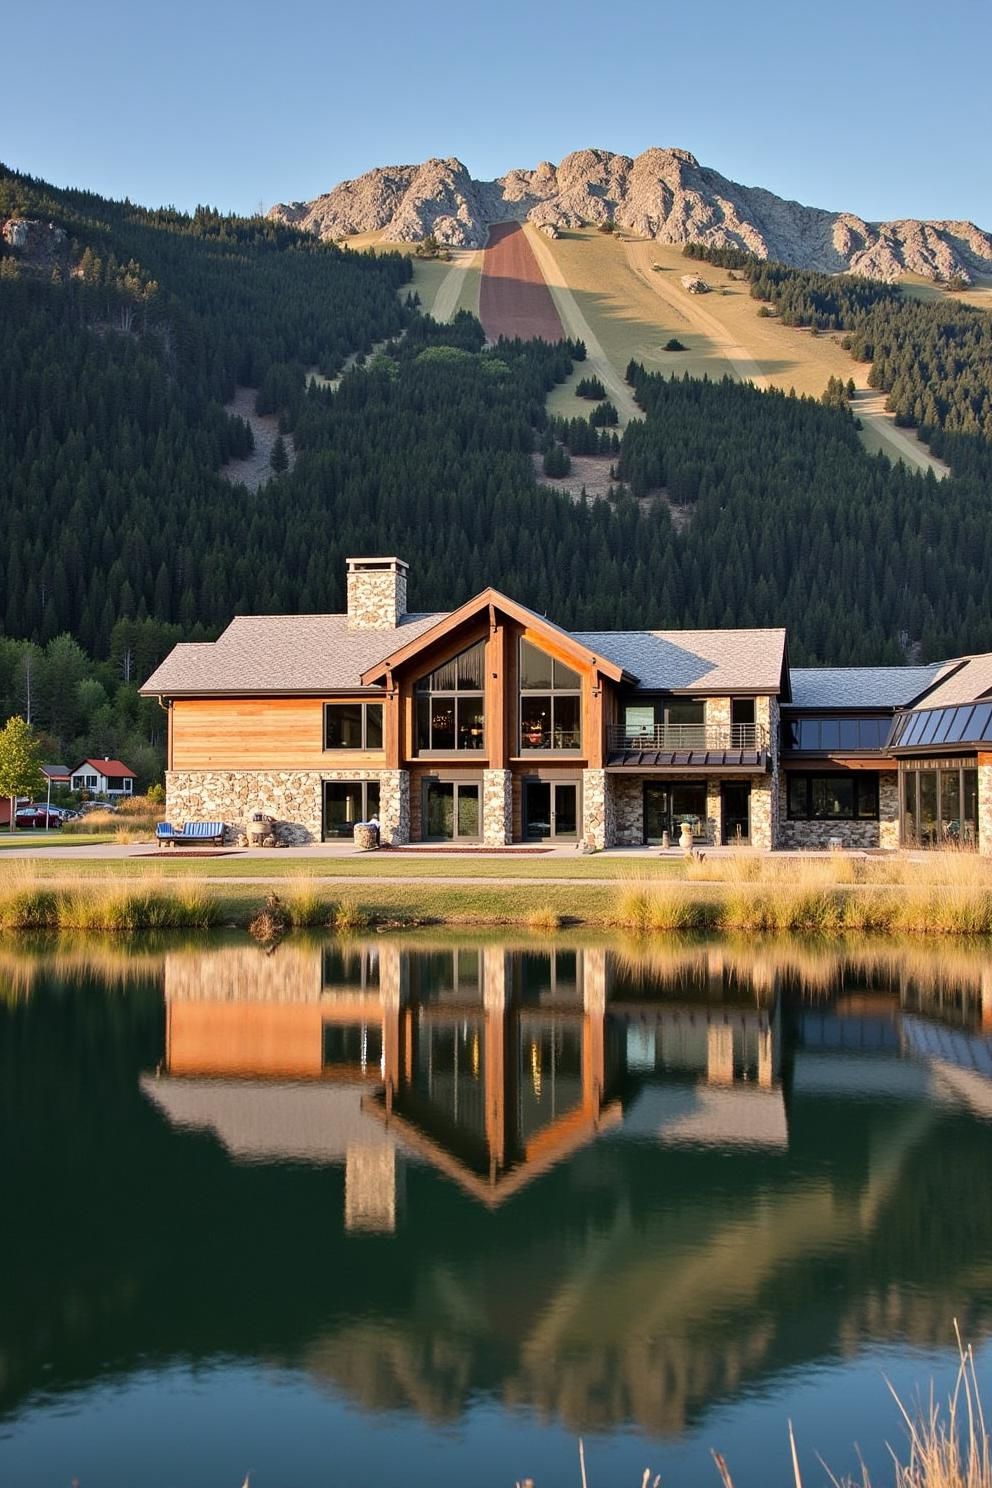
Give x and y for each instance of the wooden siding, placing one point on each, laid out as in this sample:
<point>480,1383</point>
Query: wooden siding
<point>259,734</point>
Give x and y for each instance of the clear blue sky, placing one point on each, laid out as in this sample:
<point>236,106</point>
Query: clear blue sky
<point>876,107</point>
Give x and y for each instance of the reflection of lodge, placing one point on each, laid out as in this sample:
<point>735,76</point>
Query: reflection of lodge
<point>491,1064</point>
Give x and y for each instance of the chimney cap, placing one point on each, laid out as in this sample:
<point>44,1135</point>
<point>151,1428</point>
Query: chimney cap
<point>359,565</point>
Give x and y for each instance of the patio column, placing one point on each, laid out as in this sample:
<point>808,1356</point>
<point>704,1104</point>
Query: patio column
<point>764,811</point>
<point>394,807</point>
<point>497,808</point>
<point>985,804</point>
<point>598,809</point>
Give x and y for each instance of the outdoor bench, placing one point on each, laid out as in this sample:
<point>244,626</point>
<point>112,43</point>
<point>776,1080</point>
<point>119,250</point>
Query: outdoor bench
<point>194,832</point>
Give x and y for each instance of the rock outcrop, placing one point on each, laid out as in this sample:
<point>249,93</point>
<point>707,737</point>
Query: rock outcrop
<point>662,194</point>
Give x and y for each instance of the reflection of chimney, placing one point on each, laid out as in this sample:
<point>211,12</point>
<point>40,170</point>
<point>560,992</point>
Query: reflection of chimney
<point>376,593</point>
<point>720,1054</point>
<point>987,1000</point>
<point>370,1190</point>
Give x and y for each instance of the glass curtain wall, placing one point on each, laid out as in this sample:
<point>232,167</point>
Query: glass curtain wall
<point>939,805</point>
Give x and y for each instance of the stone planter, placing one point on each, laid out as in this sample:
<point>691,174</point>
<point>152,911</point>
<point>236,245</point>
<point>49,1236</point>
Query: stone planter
<point>366,838</point>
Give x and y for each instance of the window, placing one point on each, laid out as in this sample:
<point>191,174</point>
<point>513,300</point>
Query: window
<point>450,704</point>
<point>939,806</point>
<point>835,733</point>
<point>347,802</point>
<point>849,797</point>
<point>550,701</point>
<point>352,725</point>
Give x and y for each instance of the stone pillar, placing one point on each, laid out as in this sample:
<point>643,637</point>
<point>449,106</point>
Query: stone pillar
<point>497,808</point>
<point>720,1054</point>
<point>598,811</point>
<point>714,812</point>
<point>764,811</point>
<point>888,808</point>
<point>370,1189</point>
<point>394,807</point>
<point>766,1059</point>
<point>985,804</point>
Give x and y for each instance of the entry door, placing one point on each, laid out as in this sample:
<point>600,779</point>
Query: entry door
<point>450,810</point>
<point>736,812</point>
<point>657,810</point>
<point>551,809</point>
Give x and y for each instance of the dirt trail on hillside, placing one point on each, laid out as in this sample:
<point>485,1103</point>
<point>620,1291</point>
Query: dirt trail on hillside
<point>449,291</point>
<point>693,313</point>
<point>597,363</point>
<point>900,444</point>
<point>514,299</point>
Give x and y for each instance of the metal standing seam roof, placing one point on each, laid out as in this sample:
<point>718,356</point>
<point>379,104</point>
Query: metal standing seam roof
<point>860,687</point>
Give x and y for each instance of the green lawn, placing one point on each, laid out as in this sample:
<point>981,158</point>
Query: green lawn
<point>365,867</point>
<point>26,837</point>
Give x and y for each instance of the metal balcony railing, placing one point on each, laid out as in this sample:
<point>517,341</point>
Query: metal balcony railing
<point>689,736</point>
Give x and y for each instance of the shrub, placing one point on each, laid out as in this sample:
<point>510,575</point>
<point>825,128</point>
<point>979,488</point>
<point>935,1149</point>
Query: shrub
<point>673,344</point>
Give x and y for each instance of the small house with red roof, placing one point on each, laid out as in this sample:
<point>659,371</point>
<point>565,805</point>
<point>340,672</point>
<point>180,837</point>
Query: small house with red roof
<point>104,777</point>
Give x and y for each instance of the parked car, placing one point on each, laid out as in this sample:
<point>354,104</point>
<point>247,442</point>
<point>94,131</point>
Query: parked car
<point>37,816</point>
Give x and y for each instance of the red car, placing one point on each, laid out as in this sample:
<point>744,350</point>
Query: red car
<point>35,816</point>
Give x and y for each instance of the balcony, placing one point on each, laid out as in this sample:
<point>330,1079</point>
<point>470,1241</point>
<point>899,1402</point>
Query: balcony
<point>689,746</point>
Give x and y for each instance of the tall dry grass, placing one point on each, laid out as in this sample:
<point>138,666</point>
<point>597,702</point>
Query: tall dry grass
<point>134,820</point>
<point>752,893</point>
<point>116,904</point>
<point>948,1445</point>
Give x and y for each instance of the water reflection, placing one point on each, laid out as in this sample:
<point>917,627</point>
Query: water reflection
<point>610,1183</point>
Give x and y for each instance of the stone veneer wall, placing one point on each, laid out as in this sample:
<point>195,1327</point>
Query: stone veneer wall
<point>628,805</point>
<point>985,807</point>
<point>497,807</point>
<point>294,798</point>
<point>855,834</point>
<point>598,808</point>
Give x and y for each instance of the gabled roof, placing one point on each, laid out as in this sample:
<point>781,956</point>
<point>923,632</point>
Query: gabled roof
<point>570,642</point>
<point>712,661</point>
<point>107,767</point>
<point>860,687</point>
<point>963,680</point>
<point>280,654</point>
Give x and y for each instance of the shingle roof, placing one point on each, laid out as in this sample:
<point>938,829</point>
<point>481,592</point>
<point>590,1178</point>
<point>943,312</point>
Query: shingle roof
<point>860,687</point>
<point>964,681</point>
<point>690,660</point>
<point>281,653</point>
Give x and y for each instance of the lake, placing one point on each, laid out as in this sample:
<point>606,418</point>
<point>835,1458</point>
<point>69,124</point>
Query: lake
<point>425,1210</point>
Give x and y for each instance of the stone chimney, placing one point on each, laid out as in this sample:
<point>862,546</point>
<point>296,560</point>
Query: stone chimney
<point>376,593</point>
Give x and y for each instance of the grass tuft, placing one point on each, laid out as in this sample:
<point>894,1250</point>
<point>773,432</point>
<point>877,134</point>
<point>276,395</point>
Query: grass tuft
<point>545,918</point>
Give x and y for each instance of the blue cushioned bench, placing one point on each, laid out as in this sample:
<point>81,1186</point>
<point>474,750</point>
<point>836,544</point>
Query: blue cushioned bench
<point>195,833</point>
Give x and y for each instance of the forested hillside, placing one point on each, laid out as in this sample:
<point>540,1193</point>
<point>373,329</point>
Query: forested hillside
<point>933,358</point>
<point>123,334</point>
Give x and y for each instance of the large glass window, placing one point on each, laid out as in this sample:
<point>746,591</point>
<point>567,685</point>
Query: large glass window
<point>352,725</point>
<point>347,802</point>
<point>550,701</point>
<point>939,806</point>
<point>850,797</point>
<point>835,733</point>
<point>450,704</point>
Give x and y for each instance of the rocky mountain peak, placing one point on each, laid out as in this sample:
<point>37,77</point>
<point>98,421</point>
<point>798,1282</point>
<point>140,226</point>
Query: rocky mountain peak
<point>663,193</point>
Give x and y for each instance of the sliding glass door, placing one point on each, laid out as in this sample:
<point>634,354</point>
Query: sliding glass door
<point>550,809</point>
<point>451,811</point>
